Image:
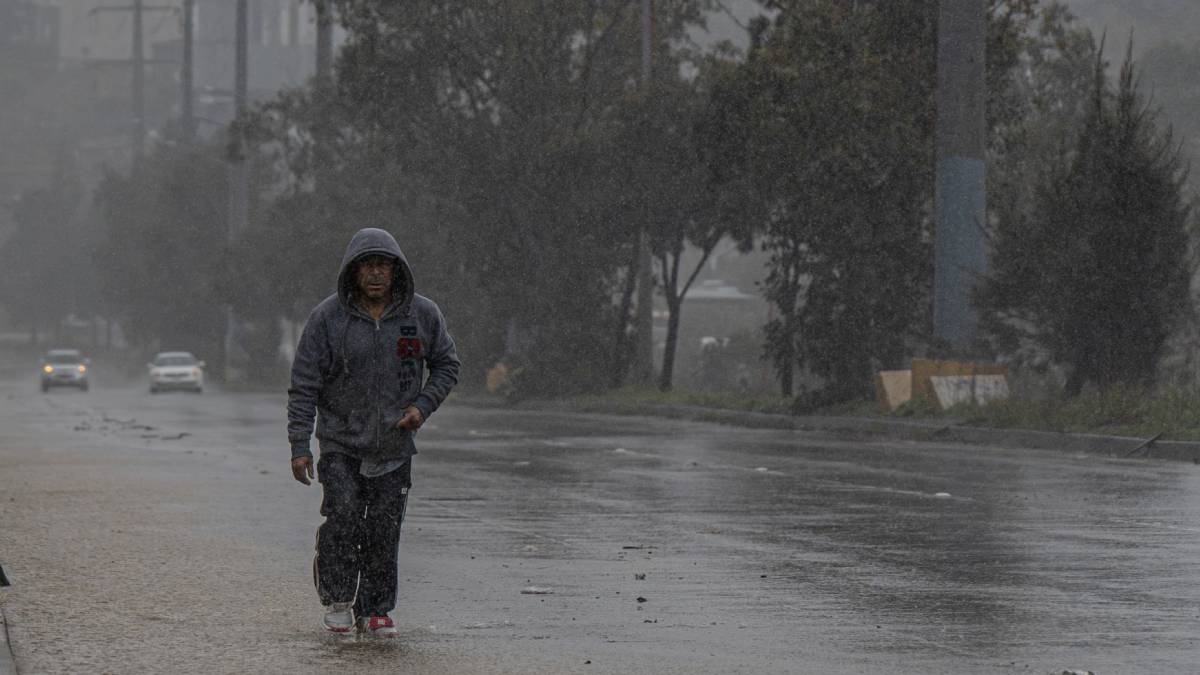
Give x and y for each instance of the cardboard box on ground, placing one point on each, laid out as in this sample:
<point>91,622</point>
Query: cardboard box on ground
<point>944,384</point>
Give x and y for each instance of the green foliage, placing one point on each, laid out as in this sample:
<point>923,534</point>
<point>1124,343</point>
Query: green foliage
<point>495,140</point>
<point>45,261</point>
<point>1168,70</point>
<point>828,130</point>
<point>829,126</point>
<point>1097,274</point>
<point>164,251</point>
<point>1122,410</point>
<point>1038,111</point>
<point>918,406</point>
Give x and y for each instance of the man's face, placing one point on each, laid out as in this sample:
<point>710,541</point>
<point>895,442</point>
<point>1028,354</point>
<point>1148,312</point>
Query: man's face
<point>374,276</point>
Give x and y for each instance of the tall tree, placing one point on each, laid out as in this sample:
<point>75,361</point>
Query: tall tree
<point>1098,273</point>
<point>832,117</point>
<point>45,261</point>
<point>659,141</point>
<point>483,134</point>
<point>164,253</point>
<point>828,127</point>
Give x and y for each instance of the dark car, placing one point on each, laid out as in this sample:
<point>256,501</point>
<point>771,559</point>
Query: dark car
<point>64,368</point>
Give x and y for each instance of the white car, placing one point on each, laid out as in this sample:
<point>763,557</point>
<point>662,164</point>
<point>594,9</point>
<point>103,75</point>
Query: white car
<point>176,370</point>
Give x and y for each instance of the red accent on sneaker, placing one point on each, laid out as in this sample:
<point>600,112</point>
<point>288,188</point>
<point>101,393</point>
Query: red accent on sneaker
<point>380,626</point>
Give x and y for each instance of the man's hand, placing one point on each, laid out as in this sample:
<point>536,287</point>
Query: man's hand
<point>302,469</point>
<point>412,420</point>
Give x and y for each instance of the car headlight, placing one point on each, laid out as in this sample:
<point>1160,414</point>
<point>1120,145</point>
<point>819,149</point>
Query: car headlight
<point>83,369</point>
<point>47,369</point>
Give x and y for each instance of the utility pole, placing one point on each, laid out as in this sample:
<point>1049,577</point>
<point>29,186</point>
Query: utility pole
<point>323,80</point>
<point>186,75</point>
<point>324,40</point>
<point>241,58</point>
<point>139,84</point>
<point>239,189</point>
<point>643,369</point>
<point>138,61</point>
<point>960,206</point>
<point>293,23</point>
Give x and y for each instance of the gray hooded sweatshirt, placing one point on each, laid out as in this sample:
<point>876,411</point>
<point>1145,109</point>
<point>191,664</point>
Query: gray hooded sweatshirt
<point>356,375</point>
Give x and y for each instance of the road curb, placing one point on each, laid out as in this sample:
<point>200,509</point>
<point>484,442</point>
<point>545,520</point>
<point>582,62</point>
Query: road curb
<point>917,430</point>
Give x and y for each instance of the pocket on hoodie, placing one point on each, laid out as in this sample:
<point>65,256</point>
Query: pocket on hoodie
<point>393,437</point>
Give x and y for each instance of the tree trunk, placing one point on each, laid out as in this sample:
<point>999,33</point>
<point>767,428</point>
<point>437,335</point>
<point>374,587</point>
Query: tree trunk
<point>674,307</point>
<point>621,346</point>
<point>785,380</point>
<point>1074,385</point>
<point>788,367</point>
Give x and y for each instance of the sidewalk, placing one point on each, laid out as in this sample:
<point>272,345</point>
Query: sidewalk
<point>944,431</point>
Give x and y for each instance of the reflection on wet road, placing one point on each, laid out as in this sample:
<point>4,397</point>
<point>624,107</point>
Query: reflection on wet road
<point>548,542</point>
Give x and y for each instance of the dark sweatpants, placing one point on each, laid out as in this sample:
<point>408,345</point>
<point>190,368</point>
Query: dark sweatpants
<point>358,543</point>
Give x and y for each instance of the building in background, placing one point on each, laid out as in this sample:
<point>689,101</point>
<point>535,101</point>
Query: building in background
<point>66,80</point>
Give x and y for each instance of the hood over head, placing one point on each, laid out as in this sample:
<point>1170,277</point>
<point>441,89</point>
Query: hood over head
<point>374,241</point>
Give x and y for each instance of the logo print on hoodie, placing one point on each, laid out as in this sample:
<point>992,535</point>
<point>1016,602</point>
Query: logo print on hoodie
<point>409,348</point>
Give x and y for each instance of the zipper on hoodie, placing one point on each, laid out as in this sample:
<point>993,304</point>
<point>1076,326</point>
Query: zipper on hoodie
<point>378,394</point>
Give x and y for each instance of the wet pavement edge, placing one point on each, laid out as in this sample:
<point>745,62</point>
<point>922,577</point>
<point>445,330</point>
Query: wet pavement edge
<point>927,431</point>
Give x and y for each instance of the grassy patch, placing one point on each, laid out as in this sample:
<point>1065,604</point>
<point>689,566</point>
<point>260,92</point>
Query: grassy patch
<point>1119,411</point>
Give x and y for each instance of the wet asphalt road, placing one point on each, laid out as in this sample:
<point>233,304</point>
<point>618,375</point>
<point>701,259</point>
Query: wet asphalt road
<point>153,533</point>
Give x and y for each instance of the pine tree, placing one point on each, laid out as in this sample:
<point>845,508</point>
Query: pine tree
<point>1098,274</point>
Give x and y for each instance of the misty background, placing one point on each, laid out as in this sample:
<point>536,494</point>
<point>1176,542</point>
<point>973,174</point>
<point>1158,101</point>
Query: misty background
<point>776,163</point>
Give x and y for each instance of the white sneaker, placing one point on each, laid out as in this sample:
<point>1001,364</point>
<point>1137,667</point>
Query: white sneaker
<point>339,618</point>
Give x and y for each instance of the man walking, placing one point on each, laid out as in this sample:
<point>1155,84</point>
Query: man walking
<point>360,371</point>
